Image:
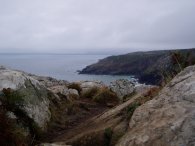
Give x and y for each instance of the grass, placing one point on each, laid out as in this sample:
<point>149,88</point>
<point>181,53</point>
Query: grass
<point>90,92</point>
<point>75,86</point>
<point>101,95</point>
<point>131,108</point>
<point>149,95</point>
<point>104,95</point>
<point>107,136</point>
<point>10,133</point>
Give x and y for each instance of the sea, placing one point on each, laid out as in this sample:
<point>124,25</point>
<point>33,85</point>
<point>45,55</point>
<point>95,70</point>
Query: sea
<point>59,66</point>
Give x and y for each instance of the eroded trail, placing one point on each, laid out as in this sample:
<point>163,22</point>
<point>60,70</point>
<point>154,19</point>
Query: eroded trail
<point>84,109</point>
<point>96,125</point>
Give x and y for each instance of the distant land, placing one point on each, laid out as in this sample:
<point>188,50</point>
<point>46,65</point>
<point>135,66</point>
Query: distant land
<point>149,67</point>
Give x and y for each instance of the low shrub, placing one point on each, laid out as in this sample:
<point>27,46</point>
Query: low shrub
<point>131,108</point>
<point>75,86</point>
<point>12,97</point>
<point>104,95</point>
<point>10,133</point>
<point>90,92</point>
<point>149,95</point>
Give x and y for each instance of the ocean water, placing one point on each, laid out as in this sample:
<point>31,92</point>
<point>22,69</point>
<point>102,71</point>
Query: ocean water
<point>60,66</point>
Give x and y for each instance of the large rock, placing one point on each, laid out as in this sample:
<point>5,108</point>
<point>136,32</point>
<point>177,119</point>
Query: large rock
<point>168,119</point>
<point>32,97</point>
<point>73,92</point>
<point>14,79</point>
<point>86,85</point>
<point>63,90</point>
<point>122,87</point>
<point>49,81</point>
<point>59,89</point>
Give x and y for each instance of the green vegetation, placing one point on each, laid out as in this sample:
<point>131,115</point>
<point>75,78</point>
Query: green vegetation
<point>107,136</point>
<point>13,99</point>
<point>149,95</point>
<point>131,109</point>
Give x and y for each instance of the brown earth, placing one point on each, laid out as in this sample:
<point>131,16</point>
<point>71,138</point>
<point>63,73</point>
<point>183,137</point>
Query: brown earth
<point>66,119</point>
<point>98,129</point>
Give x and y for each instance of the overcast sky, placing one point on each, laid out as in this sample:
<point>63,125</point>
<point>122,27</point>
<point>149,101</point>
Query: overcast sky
<point>81,26</point>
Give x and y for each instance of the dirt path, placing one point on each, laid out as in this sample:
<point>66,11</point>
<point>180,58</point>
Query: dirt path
<point>87,110</point>
<point>96,122</point>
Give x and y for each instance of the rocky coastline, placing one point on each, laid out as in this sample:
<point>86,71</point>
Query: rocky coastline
<point>150,67</point>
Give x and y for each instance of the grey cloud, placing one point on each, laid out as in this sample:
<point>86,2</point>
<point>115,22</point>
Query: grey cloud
<point>70,26</point>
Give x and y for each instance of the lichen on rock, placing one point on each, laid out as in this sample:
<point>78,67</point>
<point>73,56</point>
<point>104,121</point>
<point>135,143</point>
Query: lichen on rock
<point>122,87</point>
<point>28,94</point>
<point>168,119</point>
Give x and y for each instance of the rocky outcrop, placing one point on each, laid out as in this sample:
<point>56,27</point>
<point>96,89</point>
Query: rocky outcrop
<point>14,79</point>
<point>49,81</point>
<point>168,119</point>
<point>32,97</point>
<point>73,92</point>
<point>122,87</point>
<point>58,89</point>
<point>63,90</point>
<point>86,85</point>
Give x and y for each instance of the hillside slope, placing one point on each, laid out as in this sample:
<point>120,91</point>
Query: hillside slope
<point>148,67</point>
<point>168,119</point>
<point>103,129</point>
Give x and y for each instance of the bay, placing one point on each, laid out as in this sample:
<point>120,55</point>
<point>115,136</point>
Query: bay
<point>60,66</point>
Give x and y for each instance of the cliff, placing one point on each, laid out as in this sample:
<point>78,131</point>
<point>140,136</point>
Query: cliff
<point>149,67</point>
